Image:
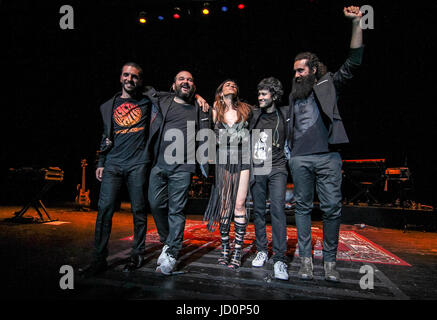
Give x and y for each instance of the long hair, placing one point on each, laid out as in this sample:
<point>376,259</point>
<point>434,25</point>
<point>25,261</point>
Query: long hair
<point>242,108</point>
<point>313,62</point>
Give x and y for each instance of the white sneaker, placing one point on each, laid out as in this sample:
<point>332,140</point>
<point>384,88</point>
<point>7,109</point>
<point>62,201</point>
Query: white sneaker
<point>163,255</point>
<point>167,265</point>
<point>260,259</point>
<point>280,270</point>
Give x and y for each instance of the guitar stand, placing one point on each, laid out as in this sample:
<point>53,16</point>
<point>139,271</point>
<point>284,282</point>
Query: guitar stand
<point>35,202</point>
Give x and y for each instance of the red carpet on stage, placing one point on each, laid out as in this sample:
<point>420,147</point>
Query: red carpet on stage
<point>351,247</point>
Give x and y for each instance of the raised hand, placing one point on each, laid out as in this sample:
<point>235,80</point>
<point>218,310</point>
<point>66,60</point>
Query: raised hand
<point>353,13</point>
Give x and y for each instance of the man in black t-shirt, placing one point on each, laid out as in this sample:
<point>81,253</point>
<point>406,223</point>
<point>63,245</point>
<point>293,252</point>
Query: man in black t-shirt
<point>174,125</point>
<point>122,158</point>
<point>268,154</point>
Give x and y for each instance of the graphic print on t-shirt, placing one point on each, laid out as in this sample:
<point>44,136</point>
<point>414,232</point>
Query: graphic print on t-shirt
<point>262,148</point>
<point>127,114</point>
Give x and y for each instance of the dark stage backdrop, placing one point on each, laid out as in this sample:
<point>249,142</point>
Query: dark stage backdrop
<point>54,80</point>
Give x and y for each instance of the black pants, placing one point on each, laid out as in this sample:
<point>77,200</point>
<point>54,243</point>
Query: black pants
<point>112,181</point>
<point>275,183</point>
<point>168,195</point>
<point>323,173</point>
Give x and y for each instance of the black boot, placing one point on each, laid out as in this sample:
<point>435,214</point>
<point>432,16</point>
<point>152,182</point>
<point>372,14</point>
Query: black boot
<point>135,262</point>
<point>240,231</point>
<point>224,255</point>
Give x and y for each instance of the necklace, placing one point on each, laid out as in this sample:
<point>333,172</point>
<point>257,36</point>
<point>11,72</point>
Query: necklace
<point>276,132</point>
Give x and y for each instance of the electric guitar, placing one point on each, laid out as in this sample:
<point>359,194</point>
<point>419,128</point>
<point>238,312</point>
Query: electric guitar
<point>83,198</point>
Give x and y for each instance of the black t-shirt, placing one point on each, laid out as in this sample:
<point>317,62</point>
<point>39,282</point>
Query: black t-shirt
<point>130,118</point>
<point>270,144</point>
<point>177,118</point>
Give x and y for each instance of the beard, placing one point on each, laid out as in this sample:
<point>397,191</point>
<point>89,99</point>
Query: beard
<point>186,96</point>
<point>302,88</point>
<point>133,89</point>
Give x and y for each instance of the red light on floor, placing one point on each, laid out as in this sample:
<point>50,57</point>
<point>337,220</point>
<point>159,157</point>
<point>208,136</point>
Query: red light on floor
<point>241,6</point>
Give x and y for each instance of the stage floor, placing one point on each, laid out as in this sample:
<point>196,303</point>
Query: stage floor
<point>403,263</point>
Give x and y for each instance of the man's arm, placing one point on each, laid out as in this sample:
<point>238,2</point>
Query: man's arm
<point>202,102</point>
<point>105,144</point>
<point>354,59</point>
<point>354,14</point>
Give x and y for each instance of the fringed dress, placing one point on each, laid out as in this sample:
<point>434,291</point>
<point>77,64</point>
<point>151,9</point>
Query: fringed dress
<point>232,157</point>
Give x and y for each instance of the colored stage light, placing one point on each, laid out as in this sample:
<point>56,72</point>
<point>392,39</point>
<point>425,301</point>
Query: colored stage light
<point>224,8</point>
<point>205,9</point>
<point>241,6</point>
<point>160,18</point>
<point>177,13</point>
<point>142,17</point>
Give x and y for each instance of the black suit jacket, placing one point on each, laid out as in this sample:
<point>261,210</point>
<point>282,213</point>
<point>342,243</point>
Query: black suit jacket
<point>326,91</point>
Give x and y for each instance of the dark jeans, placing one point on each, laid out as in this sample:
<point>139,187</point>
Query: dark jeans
<point>168,195</point>
<point>275,183</point>
<point>113,178</point>
<point>322,171</point>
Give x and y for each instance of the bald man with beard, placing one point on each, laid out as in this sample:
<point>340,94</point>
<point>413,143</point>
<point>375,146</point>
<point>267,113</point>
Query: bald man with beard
<point>169,180</point>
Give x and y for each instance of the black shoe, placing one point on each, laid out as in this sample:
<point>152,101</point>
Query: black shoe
<point>94,269</point>
<point>235,262</point>
<point>135,262</point>
<point>224,255</point>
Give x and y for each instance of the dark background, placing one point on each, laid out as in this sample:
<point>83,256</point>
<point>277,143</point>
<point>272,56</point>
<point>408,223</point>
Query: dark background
<point>54,80</point>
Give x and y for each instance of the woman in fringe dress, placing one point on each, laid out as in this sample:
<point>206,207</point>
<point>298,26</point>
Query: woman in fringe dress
<point>228,196</point>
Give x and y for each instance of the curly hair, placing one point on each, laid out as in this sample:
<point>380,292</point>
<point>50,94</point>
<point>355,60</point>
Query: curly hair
<point>274,86</point>
<point>312,61</point>
<point>243,109</point>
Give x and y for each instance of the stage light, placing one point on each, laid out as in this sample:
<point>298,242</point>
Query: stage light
<point>177,13</point>
<point>142,17</point>
<point>224,8</point>
<point>241,6</point>
<point>205,9</point>
<point>160,18</point>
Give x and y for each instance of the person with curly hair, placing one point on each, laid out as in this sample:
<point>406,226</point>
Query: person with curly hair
<point>270,120</point>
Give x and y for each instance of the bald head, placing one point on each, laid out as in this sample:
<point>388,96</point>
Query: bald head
<point>184,86</point>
